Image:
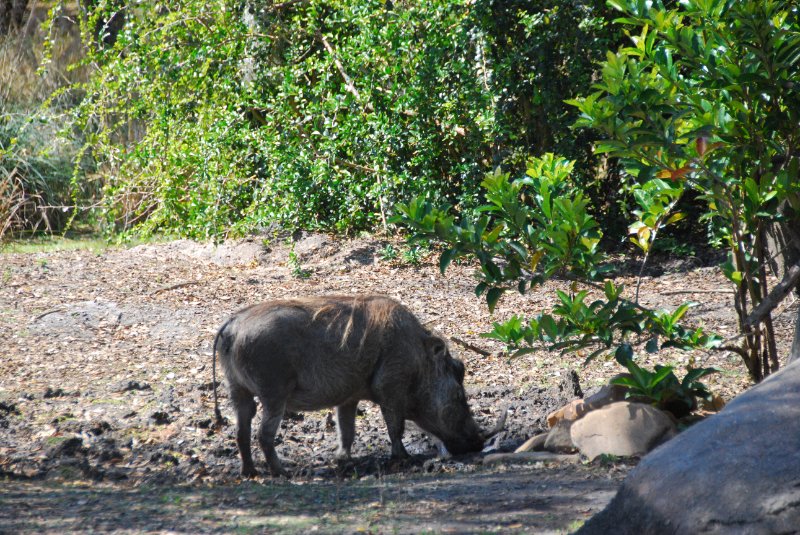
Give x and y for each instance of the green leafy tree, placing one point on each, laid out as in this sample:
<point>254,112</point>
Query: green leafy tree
<point>536,227</point>
<point>706,99</point>
<point>212,118</point>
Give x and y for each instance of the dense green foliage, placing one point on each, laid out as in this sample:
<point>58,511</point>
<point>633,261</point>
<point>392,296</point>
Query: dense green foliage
<point>534,228</point>
<point>707,99</point>
<point>704,100</point>
<point>215,117</point>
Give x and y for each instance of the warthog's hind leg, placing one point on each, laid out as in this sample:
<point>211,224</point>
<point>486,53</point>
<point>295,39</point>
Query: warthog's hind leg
<point>245,407</point>
<point>273,410</point>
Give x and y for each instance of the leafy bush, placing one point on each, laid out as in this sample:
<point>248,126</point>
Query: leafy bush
<point>661,387</point>
<point>214,118</point>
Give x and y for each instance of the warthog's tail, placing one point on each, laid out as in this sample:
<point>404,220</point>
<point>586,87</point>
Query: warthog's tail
<point>217,413</point>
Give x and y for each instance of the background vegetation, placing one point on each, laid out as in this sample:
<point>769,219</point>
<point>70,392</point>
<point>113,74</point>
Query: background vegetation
<point>208,119</point>
<point>211,119</point>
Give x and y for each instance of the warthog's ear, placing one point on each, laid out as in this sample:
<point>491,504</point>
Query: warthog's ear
<point>436,346</point>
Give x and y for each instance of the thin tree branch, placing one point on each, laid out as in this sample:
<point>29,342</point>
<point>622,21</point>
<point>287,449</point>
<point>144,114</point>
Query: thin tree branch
<point>471,347</point>
<point>778,293</point>
<point>348,82</point>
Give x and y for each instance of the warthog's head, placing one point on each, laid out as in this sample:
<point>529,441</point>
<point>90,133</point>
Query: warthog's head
<point>444,411</point>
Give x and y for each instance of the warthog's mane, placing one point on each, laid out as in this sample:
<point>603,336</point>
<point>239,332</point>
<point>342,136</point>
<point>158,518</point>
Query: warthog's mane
<point>340,313</point>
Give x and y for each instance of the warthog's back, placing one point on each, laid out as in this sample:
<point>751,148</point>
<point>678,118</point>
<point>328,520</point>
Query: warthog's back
<point>322,350</point>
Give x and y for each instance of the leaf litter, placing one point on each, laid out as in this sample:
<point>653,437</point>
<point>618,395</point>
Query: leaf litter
<point>106,396</point>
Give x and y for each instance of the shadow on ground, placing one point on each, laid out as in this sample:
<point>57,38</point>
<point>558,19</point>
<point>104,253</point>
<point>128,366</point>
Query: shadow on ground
<point>518,499</point>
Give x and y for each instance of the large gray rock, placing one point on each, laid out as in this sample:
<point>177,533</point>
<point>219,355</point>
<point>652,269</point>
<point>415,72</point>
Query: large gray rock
<point>623,428</point>
<point>736,472</point>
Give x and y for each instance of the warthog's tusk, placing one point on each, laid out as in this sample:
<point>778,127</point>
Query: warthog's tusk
<point>501,423</point>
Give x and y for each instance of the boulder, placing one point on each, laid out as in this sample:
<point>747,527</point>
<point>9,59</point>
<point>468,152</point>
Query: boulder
<point>623,428</point>
<point>607,394</point>
<point>577,408</point>
<point>735,472</point>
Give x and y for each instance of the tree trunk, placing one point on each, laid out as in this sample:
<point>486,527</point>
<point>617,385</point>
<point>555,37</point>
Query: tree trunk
<point>794,354</point>
<point>784,247</point>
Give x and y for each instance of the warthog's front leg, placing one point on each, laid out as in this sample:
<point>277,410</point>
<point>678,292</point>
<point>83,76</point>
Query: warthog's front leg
<point>346,427</point>
<point>271,417</point>
<point>396,425</point>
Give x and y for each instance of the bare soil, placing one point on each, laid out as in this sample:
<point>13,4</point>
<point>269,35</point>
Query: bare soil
<point>106,396</point>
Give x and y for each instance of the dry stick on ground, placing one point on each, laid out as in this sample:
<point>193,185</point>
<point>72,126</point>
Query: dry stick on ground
<point>471,347</point>
<point>174,287</point>
<point>47,313</point>
<point>717,291</point>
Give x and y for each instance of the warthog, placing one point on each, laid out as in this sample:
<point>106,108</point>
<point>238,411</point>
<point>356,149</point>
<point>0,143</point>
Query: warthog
<point>318,352</point>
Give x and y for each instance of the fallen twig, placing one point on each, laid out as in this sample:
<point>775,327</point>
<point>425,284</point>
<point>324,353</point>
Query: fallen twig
<point>717,291</point>
<point>174,287</point>
<point>47,313</point>
<point>471,347</point>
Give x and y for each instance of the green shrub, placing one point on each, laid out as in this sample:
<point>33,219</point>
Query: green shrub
<point>704,100</point>
<point>536,227</point>
<point>213,118</point>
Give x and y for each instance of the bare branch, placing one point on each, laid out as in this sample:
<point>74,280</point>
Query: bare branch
<point>778,293</point>
<point>348,82</point>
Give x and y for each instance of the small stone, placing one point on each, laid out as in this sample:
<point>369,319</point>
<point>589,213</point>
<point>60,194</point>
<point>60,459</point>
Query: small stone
<point>160,418</point>
<point>51,393</point>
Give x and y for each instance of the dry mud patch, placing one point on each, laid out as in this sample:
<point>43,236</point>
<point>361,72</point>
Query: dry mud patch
<point>106,407</point>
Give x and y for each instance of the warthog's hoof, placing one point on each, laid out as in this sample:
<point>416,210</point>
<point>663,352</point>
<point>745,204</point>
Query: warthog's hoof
<point>343,456</point>
<point>281,473</point>
<point>249,472</point>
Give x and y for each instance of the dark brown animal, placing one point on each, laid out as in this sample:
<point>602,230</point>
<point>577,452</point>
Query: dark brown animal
<point>309,354</point>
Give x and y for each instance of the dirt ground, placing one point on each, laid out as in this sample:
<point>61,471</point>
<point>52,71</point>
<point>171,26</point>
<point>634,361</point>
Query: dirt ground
<point>106,395</point>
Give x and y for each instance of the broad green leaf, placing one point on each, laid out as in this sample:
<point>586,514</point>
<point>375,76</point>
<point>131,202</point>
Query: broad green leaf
<point>492,296</point>
<point>624,354</point>
<point>447,257</point>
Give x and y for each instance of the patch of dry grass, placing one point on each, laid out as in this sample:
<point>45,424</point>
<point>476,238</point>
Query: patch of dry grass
<point>35,164</point>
